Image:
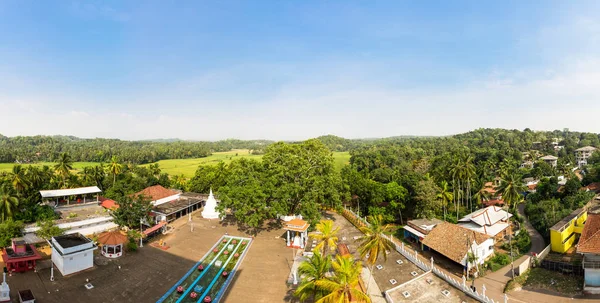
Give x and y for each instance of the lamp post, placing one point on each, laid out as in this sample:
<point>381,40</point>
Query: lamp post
<point>141,234</point>
<point>512,264</point>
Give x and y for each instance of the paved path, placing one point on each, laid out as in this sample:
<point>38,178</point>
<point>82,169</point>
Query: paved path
<point>374,291</point>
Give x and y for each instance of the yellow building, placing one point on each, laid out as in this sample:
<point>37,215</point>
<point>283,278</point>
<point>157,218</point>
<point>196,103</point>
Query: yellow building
<point>564,233</point>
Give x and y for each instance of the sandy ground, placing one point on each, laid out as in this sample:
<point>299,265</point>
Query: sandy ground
<point>145,275</point>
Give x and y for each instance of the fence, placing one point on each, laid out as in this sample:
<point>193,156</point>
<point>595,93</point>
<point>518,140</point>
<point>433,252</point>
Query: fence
<point>413,257</point>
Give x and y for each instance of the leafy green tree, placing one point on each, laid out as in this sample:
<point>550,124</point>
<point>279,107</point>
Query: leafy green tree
<point>326,236</point>
<point>342,286</point>
<point>9,230</point>
<point>131,211</point>
<point>425,195</point>
<point>209,177</point>
<point>312,270</point>
<point>396,195</point>
<point>8,203</point>
<point>48,229</point>
<point>19,179</point>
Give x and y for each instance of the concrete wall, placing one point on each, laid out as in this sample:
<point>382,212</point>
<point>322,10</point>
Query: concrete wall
<point>592,277</point>
<point>72,263</point>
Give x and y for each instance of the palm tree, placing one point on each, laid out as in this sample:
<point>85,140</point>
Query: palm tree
<point>18,179</point>
<point>445,195</point>
<point>64,166</point>
<point>326,236</point>
<point>311,271</point>
<point>511,188</point>
<point>342,286</point>
<point>469,173</point>
<point>482,194</point>
<point>8,203</point>
<point>87,175</point>
<point>375,243</point>
<point>115,168</point>
<point>35,176</point>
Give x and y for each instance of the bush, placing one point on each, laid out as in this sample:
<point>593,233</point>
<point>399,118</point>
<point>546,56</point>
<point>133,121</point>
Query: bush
<point>132,246</point>
<point>495,266</point>
<point>500,259</point>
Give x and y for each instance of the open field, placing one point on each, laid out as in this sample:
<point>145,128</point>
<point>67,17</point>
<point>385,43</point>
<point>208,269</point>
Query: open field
<point>188,167</point>
<point>7,167</point>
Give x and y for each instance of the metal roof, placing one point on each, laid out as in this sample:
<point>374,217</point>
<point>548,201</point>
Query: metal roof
<point>69,192</point>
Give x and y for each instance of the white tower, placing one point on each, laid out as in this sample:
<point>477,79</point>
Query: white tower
<point>4,290</point>
<point>209,211</point>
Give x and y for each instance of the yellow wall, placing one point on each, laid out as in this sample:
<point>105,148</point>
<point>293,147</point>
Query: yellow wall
<point>557,238</point>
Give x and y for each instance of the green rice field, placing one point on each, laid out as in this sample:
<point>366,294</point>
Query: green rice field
<point>188,167</point>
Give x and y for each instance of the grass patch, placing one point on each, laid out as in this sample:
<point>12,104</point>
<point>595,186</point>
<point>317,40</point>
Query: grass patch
<point>539,278</point>
<point>188,167</point>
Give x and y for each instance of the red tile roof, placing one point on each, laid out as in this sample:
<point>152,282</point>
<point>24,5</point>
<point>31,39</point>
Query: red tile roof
<point>450,240</point>
<point>109,204</point>
<point>590,237</point>
<point>493,202</point>
<point>156,192</point>
<point>112,238</point>
<point>595,187</point>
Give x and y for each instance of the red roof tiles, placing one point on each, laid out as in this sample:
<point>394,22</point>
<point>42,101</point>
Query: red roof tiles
<point>156,192</point>
<point>590,237</point>
<point>109,204</point>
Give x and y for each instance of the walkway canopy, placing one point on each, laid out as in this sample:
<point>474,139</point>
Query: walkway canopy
<point>69,192</point>
<point>61,196</point>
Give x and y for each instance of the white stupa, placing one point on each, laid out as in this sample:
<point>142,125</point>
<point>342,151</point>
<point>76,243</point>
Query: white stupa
<point>4,290</point>
<point>209,211</point>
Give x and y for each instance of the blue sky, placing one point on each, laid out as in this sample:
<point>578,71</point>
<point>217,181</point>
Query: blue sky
<point>296,69</point>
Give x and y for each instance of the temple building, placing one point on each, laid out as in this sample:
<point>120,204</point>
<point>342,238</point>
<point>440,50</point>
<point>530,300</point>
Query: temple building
<point>296,231</point>
<point>20,256</point>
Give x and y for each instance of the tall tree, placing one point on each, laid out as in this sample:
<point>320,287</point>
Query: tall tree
<point>312,270</point>
<point>131,211</point>
<point>115,168</point>
<point>19,179</point>
<point>343,285</point>
<point>326,236</point>
<point>376,241</point>
<point>444,195</point>
<point>63,167</point>
<point>511,188</point>
<point>8,203</point>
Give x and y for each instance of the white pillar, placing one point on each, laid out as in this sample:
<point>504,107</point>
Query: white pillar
<point>402,246</point>
<point>483,290</point>
<point>464,285</point>
<point>505,298</point>
<point>431,263</point>
<point>302,240</point>
<point>288,237</point>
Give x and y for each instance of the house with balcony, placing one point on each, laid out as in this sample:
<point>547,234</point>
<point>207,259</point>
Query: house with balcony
<point>589,247</point>
<point>564,233</point>
<point>551,160</point>
<point>583,154</point>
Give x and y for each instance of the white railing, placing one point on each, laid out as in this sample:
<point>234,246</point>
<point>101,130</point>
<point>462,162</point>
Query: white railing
<point>413,257</point>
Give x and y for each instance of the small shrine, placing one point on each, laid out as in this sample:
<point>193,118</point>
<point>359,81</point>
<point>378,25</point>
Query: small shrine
<point>112,243</point>
<point>209,211</point>
<point>20,257</point>
<point>4,290</point>
<point>298,229</point>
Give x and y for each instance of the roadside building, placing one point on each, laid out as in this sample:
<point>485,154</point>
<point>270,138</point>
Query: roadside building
<point>564,233</point>
<point>158,195</point>
<point>589,247</point>
<point>72,253</point>
<point>456,242</point>
<point>417,230</point>
<point>583,154</point>
<point>492,221</point>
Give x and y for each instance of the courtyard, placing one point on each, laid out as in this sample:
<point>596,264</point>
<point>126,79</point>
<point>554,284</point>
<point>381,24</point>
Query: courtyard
<point>147,274</point>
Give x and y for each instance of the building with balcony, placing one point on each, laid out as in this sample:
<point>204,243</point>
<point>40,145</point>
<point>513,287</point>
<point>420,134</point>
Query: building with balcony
<point>564,233</point>
<point>583,154</point>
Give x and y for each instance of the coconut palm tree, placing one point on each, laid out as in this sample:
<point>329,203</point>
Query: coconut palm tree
<point>64,166</point>
<point>115,168</point>
<point>342,287</point>
<point>375,243</point>
<point>482,194</point>
<point>19,179</point>
<point>311,271</point>
<point>87,175</point>
<point>8,203</point>
<point>326,236</point>
<point>511,188</point>
<point>445,196</point>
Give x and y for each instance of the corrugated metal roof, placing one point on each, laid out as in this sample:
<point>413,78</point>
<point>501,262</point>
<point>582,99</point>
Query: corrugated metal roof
<point>69,192</point>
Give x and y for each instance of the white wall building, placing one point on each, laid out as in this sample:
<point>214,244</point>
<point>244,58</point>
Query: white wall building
<point>583,154</point>
<point>72,253</point>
